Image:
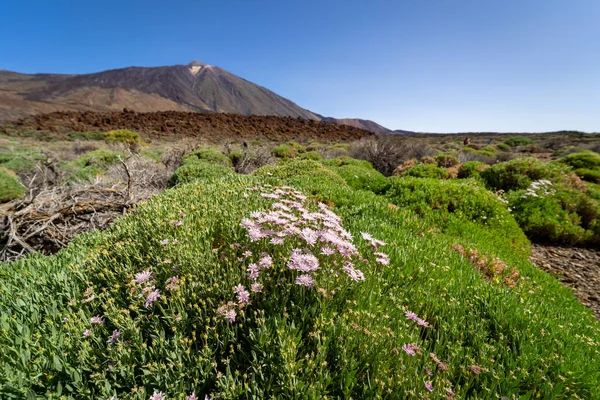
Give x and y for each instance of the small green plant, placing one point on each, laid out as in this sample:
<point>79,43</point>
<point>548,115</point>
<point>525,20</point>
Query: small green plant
<point>503,147</point>
<point>207,154</point>
<point>471,169</point>
<point>590,175</point>
<point>123,136</point>
<point>427,171</point>
<point>519,173</point>
<point>199,171</point>
<point>518,141</point>
<point>446,161</point>
<point>584,159</point>
<point>10,188</point>
<point>359,177</point>
<point>90,165</point>
<point>428,160</point>
<point>311,155</point>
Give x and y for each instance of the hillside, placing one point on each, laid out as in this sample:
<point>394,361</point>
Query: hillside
<point>191,87</point>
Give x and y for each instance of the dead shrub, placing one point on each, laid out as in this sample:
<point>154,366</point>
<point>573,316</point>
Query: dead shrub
<point>386,153</point>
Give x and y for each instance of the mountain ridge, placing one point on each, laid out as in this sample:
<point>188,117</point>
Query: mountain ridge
<point>195,86</point>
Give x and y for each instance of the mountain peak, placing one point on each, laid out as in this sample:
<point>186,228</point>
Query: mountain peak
<point>196,64</point>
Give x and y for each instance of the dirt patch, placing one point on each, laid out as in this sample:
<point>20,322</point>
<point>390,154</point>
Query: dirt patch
<point>576,268</point>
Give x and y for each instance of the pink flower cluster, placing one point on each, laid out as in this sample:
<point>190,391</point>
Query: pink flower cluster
<point>318,228</point>
<point>412,316</point>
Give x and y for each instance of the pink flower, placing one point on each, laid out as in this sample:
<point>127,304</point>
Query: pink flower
<point>230,315</point>
<point>266,261</point>
<point>327,251</point>
<point>92,297</point>
<point>428,371</point>
<point>256,288</point>
<point>151,298</point>
<point>476,369</point>
<point>303,262</point>
<point>242,295</point>
<point>449,391</point>
<point>429,386</point>
<point>422,322</point>
<point>97,320</point>
<point>310,236</point>
<point>157,396</point>
<point>276,240</point>
<point>193,395</point>
<point>114,337</point>
<point>87,333</point>
<point>253,271</point>
<point>409,349</point>
<point>164,242</point>
<point>142,277</point>
<point>352,272</point>
<point>247,253</point>
<point>305,280</point>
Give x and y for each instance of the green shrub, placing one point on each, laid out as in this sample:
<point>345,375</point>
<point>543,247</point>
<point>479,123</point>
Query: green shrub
<point>207,154</point>
<point>503,147</point>
<point>519,173</point>
<point>122,136</point>
<point>471,169</point>
<point>340,161</point>
<point>236,157</point>
<point>590,175</point>
<point>154,155</point>
<point>518,141</point>
<point>311,155</point>
<point>567,150</point>
<point>10,188</point>
<point>359,177</point>
<point>584,159</point>
<point>20,159</point>
<point>427,171</point>
<point>299,171</point>
<point>337,340</point>
<point>313,146</point>
<point>199,171</point>
<point>428,160</point>
<point>285,151</point>
<point>446,161</point>
<point>91,164</point>
<point>557,214</point>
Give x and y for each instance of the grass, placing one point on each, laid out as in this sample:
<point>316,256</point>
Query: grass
<point>10,188</point>
<point>529,340</point>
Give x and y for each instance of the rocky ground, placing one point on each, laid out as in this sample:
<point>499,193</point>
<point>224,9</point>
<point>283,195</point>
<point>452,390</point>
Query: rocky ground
<point>576,268</point>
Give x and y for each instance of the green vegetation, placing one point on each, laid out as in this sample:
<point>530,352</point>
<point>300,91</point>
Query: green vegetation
<point>91,164</point>
<point>209,155</point>
<point>310,155</point>
<point>446,161</point>
<point>162,279</point>
<point>199,170</point>
<point>10,188</point>
<point>586,165</point>
<point>518,141</point>
<point>470,169</point>
<point>288,150</point>
<point>123,136</point>
<point>519,173</point>
<point>20,159</point>
<point>427,171</point>
<point>503,147</point>
<point>359,174</point>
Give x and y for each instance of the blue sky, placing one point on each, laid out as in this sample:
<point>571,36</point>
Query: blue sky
<point>423,65</point>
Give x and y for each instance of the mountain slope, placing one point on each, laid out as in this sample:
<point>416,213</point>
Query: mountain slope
<point>192,87</point>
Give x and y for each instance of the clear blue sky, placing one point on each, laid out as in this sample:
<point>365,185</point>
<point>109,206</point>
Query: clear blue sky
<point>424,65</point>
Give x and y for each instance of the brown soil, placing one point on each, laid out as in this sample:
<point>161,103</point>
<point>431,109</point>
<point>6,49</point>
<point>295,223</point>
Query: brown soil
<point>576,268</point>
<point>189,124</point>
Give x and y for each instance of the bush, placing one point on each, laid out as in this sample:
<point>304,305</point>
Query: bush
<point>340,161</point>
<point>207,154</point>
<point>427,171</point>
<point>199,171</point>
<point>519,173</point>
<point>386,153</point>
<point>10,188</point>
<point>428,160</point>
<point>91,164</point>
<point>446,161</point>
<point>288,150</point>
<point>503,147</point>
<point>590,175</point>
<point>311,155</point>
<point>471,169</point>
<point>359,177</point>
<point>187,250</point>
<point>518,141</point>
<point>584,159</point>
<point>123,136</point>
<point>557,214</point>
